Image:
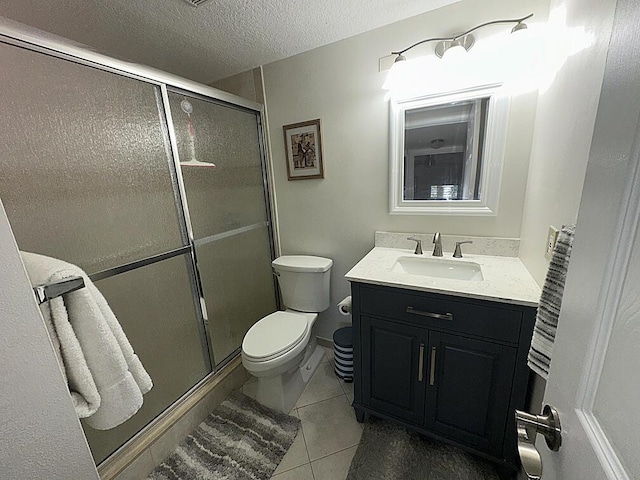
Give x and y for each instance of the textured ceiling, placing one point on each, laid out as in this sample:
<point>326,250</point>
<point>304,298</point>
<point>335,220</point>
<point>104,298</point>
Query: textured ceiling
<point>217,39</point>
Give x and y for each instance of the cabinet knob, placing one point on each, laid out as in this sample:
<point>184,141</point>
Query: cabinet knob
<point>421,363</point>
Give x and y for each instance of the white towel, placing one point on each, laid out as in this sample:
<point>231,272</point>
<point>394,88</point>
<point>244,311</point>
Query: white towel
<point>105,377</point>
<point>544,331</point>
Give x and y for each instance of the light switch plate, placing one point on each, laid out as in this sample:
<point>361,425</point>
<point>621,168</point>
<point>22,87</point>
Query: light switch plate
<point>552,237</point>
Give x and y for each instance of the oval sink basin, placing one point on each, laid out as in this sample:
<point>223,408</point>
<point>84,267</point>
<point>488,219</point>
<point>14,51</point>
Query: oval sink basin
<point>439,267</point>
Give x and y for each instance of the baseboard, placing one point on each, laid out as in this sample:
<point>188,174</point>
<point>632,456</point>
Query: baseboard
<point>324,342</point>
<point>140,443</point>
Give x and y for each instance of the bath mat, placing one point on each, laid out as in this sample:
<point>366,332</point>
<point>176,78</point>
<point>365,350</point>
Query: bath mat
<point>389,452</point>
<point>240,440</point>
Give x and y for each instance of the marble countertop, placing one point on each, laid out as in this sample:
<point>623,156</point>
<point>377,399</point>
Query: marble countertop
<point>506,279</point>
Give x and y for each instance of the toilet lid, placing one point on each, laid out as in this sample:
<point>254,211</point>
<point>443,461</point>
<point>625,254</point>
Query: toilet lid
<point>274,334</point>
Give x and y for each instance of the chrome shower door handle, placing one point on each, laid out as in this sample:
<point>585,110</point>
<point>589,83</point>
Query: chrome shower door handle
<point>528,426</point>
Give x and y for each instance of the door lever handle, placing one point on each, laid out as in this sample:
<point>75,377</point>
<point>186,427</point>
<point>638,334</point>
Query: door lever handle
<point>528,426</point>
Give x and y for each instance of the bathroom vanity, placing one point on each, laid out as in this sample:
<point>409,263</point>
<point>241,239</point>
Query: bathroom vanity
<point>444,356</point>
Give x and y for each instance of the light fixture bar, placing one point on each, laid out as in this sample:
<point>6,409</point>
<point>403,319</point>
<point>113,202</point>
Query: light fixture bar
<point>454,38</point>
<point>493,22</point>
<point>434,39</point>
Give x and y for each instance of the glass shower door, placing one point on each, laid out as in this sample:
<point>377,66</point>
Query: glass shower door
<point>221,163</point>
<point>86,176</point>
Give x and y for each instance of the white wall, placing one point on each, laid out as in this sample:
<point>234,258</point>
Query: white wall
<point>41,434</point>
<point>245,84</point>
<point>563,128</point>
<point>336,217</point>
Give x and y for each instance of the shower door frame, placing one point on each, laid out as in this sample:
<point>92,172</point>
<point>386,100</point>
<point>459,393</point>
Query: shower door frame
<point>22,36</point>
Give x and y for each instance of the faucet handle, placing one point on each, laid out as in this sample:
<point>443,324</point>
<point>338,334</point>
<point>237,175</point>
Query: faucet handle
<point>457,253</point>
<point>418,250</point>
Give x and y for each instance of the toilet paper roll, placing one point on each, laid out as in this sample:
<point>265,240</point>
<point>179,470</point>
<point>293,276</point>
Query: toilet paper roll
<point>345,306</point>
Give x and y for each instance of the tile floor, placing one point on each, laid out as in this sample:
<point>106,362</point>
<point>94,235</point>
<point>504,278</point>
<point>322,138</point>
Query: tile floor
<point>330,433</point>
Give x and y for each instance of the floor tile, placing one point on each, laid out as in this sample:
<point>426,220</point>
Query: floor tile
<point>329,426</point>
<point>250,389</point>
<point>350,397</point>
<point>334,467</point>
<point>347,387</point>
<point>251,380</point>
<point>328,354</point>
<point>300,473</point>
<point>323,385</point>
<point>296,456</point>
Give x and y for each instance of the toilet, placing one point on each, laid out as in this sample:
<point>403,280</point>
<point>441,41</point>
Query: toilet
<point>279,349</point>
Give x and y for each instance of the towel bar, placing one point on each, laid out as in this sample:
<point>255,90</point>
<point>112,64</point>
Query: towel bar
<point>46,292</point>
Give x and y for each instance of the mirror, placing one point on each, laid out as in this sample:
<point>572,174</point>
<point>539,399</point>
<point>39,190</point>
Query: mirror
<point>447,152</point>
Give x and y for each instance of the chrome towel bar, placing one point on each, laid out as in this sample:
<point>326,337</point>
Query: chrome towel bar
<point>46,292</point>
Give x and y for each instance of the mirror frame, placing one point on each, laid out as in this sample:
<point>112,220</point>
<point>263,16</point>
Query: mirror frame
<point>493,154</point>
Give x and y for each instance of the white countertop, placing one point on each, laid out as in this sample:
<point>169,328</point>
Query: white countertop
<point>506,279</point>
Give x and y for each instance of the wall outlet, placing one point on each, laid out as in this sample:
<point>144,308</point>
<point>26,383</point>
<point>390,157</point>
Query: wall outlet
<point>552,236</point>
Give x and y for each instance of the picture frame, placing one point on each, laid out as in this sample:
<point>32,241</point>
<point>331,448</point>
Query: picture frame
<point>303,145</point>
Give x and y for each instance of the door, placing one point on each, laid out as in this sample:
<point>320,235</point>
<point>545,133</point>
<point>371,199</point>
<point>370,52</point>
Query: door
<point>218,146</point>
<point>394,368</point>
<point>468,386</point>
<point>85,177</point>
<point>594,380</point>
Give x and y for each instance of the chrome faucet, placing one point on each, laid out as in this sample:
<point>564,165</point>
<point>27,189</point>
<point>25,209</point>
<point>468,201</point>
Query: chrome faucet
<point>418,250</point>
<point>437,248</point>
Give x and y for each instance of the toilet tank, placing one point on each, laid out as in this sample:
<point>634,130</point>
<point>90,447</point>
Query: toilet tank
<point>304,281</point>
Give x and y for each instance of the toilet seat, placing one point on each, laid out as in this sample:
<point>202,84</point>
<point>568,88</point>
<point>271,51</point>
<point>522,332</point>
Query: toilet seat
<point>274,335</point>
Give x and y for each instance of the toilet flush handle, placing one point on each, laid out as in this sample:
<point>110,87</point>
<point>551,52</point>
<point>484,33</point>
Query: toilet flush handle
<point>275,272</point>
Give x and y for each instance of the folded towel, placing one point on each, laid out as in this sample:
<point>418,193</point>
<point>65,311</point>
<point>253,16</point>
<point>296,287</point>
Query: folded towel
<point>544,331</point>
<point>105,377</point>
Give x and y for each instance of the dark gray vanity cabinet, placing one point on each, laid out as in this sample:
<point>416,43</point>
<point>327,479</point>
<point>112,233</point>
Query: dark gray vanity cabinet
<point>391,380</point>
<point>450,367</point>
<point>469,391</point>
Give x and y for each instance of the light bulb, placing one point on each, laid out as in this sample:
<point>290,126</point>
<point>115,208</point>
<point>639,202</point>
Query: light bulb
<point>454,53</point>
<point>396,73</point>
<point>519,27</point>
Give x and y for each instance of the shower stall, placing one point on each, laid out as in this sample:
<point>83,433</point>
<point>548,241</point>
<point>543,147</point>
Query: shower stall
<point>154,185</point>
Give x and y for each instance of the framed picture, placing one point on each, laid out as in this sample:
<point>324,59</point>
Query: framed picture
<point>303,144</point>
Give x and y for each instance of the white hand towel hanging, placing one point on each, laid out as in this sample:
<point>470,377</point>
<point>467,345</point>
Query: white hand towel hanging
<point>105,377</point>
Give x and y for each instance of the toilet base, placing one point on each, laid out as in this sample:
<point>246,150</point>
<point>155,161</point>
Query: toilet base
<point>281,392</point>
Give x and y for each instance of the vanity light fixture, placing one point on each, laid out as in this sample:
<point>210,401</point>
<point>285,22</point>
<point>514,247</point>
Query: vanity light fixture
<point>454,45</point>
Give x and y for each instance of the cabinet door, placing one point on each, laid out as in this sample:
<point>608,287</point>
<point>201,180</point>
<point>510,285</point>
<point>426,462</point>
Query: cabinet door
<point>391,381</point>
<point>469,387</point>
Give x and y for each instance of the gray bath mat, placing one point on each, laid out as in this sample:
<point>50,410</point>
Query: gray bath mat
<point>390,452</point>
<point>240,440</point>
